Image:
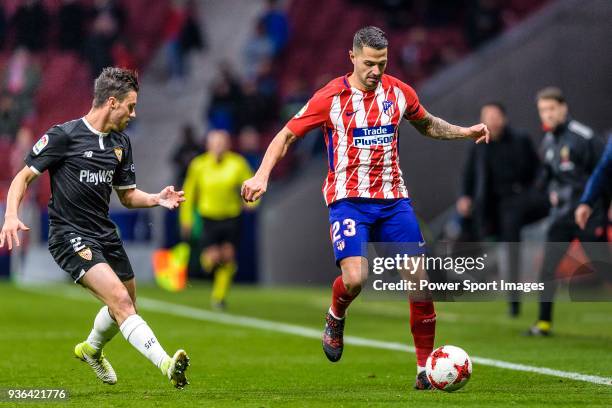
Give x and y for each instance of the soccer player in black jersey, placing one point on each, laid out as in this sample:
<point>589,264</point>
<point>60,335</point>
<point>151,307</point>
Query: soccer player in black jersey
<point>87,158</point>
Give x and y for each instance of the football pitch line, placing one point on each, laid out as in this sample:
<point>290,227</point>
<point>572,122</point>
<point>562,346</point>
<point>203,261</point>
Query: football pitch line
<point>175,309</point>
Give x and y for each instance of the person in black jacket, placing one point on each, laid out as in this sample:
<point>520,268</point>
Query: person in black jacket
<point>571,151</point>
<point>498,196</point>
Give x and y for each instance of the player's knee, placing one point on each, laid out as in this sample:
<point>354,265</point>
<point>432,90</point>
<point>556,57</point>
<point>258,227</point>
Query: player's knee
<point>353,280</point>
<point>228,253</point>
<point>121,304</point>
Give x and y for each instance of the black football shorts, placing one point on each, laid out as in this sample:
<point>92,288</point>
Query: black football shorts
<point>76,254</point>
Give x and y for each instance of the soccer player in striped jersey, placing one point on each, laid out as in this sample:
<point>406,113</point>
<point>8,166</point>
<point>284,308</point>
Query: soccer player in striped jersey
<point>360,115</point>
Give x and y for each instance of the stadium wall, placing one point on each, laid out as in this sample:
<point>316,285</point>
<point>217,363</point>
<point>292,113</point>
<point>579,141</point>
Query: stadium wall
<point>565,45</point>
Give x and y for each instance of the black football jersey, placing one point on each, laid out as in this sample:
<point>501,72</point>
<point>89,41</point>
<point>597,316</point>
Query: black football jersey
<point>85,165</point>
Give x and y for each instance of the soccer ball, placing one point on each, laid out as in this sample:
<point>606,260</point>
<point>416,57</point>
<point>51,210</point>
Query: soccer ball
<point>448,368</point>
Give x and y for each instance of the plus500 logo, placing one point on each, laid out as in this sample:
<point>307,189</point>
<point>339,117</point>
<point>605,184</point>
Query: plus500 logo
<point>373,136</point>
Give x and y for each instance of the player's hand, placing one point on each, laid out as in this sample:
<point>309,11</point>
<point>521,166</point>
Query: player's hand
<point>464,206</point>
<point>582,214</point>
<point>479,133</point>
<point>9,232</point>
<point>170,199</point>
<point>253,188</point>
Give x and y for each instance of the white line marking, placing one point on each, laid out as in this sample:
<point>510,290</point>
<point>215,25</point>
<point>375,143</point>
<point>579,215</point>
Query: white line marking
<point>174,309</point>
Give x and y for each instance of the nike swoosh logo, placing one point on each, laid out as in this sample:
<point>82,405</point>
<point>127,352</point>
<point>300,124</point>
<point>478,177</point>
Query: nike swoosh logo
<point>351,113</point>
<point>422,243</point>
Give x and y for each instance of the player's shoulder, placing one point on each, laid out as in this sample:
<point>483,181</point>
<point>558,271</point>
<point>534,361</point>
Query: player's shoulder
<point>580,129</point>
<point>334,87</point>
<point>123,137</point>
<point>66,129</point>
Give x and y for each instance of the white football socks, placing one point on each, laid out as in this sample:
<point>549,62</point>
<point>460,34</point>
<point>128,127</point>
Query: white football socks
<point>139,334</point>
<point>420,369</point>
<point>104,329</point>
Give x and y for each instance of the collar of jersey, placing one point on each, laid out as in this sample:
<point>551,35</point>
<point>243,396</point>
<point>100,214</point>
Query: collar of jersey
<point>92,129</point>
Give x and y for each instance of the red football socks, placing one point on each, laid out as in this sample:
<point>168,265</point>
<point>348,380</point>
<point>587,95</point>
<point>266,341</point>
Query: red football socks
<point>341,299</point>
<point>423,327</point>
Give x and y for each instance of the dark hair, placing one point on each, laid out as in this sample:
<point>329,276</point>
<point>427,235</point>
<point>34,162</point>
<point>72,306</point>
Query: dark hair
<point>551,92</point>
<point>370,36</point>
<point>115,82</point>
<point>497,105</point>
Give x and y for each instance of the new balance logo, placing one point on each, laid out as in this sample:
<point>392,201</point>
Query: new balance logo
<point>88,154</point>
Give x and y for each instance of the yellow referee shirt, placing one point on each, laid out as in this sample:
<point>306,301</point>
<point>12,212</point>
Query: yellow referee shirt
<point>213,187</point>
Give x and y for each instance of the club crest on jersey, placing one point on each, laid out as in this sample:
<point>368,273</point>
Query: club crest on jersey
<point>373,136</point>
<point>388,108</point>
<point>85,254</point>
<point>42,142</point>
<point>118,152</point>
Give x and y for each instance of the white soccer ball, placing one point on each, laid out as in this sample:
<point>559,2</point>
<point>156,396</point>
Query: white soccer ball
<point>448,368</point>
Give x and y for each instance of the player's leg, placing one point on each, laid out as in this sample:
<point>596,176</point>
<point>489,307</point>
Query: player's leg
<point>223,275</point>
<point>102,281</point>
<point>399,225</point>
<point>228,236</point>
<point>349,229</point>
<point>173,367</point>
<point>558,238</point>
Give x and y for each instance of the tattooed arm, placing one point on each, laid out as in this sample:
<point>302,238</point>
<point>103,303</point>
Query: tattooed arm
<point>437,128</point>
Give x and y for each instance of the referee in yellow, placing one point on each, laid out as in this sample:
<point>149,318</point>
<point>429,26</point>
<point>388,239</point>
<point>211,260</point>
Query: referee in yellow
<point>212,191</point>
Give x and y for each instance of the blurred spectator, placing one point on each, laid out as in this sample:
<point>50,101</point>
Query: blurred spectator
<point>253,109</point>
<point>498,196</point>
<point>258,49</point>
<point>123,56</point>
<point>3,25</point>
<point>225,101</point>
<point>31,24</point>
<point>10,117</point>
<point>416,56</point>
<point>571,151</point>
<point>172,40</point>
<point>484,22</point>
<point>114,11</point>
<point>397,13</point>
<point>72,17</point>
<point>249,146</point>
<point>276,25</point>
<point>186,151</point>
<point>23,143</point>
<point>99,44</point>
<point>296,96</point>
<point>20,78</point>
<point>192,37</point>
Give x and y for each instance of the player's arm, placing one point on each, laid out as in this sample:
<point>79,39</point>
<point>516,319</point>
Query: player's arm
<point>16,192</point>
<point>256,186</point>
<point>134,198</point>
<point>438,128</point>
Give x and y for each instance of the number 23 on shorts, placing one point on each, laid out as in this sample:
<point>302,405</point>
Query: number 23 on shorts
<point>347,227</point>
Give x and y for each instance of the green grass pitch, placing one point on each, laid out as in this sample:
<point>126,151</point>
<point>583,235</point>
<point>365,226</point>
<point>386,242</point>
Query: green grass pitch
<point>235,365</point>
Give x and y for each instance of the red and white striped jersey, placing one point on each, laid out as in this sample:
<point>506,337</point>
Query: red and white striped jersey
<point>361,133</point>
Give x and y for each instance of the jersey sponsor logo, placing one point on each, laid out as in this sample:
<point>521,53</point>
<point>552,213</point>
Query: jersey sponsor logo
<point>118,152</point>
<point>96,177</point>
<point>373,136</point>
<point>42,142</point>
<point>85,254</point>
<point>301,112</point>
